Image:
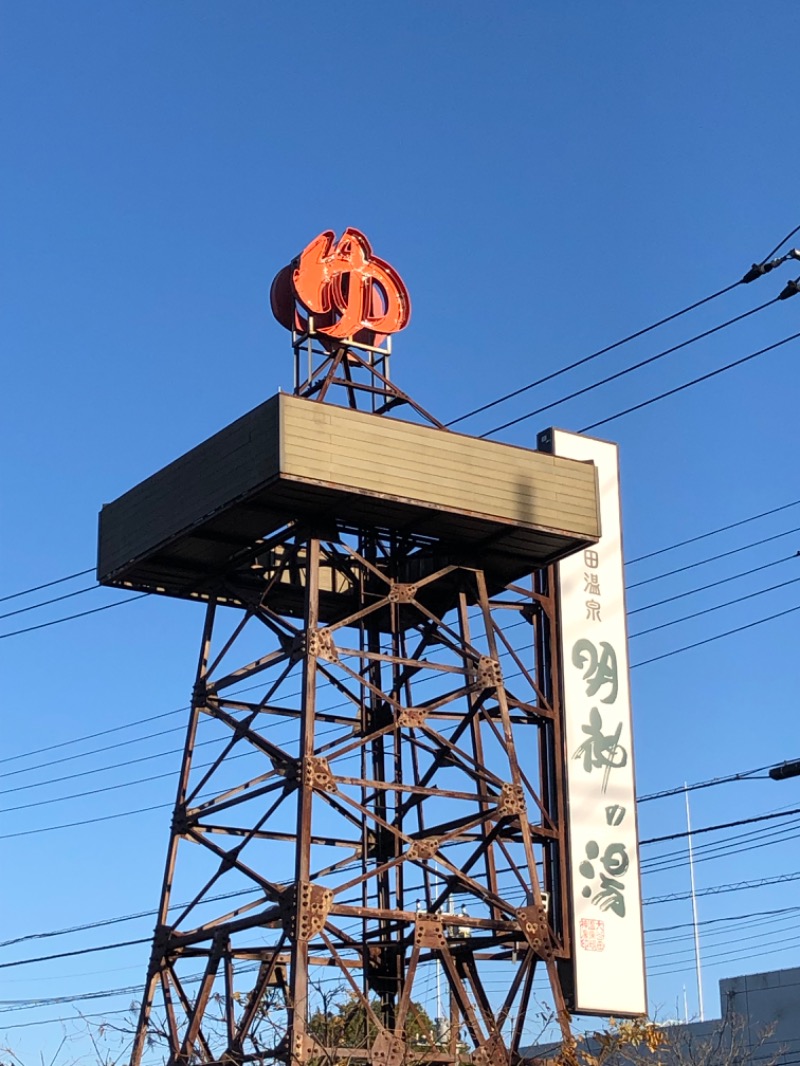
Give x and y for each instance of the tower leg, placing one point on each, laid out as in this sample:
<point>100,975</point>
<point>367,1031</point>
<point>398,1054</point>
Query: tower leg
<point>368,798</point>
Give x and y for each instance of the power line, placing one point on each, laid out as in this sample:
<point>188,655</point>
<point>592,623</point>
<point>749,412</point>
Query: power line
<point>107,788</point>
<point>530,414</point>
<point>164,806</point>
<point>122,727</point>
<point>144,810</point>
<point>751,275</point>
<point>757,271</point>
<point>119,784</point>
<point>760,915</point>
<point>107,766</point>
<point>19,1005</point>
<point>690,384</point>
<point>95,751</point>
<point>726,955</point>
<point>163,732</point>
<point>711,533</point>
<point>87,821</point>
<point>119,814</point>
<point>594,355</point>
<point>711,559</point>
<point>116,920</point>
<point>71,1018</point>
<point>47,584</point>
<point>627,370</point>
<point>115,765</point>
<point>93,736</point>
<point>71,617</point>
<point>716,607</point>
<point>736,843</point>
<point>680,789</point>
<point>738,939</point>
<point>177,710</point>
<point>126,763</point>
<point>7,1006</point>
<point>713,584</point>
<point>718,636</point>
<point>629,562</point>
<point>46,603</point>
<point>632,585</point>
<point>716,890</point>
<point>79,951</point>
<point>724,918</point>
<point>788,237</point>
<point>102,733</point>
<point>765,917</point>
<point>722,825</point>
<point>713,846</point>
<point>126,743</point>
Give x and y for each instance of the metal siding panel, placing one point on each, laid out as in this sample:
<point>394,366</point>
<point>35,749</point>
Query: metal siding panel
<point>358,451</point>
<point>190,489</point>
<point>293,457</point>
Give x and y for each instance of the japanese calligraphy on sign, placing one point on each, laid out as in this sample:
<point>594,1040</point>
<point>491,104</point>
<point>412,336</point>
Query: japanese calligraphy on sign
<point>603,843</point>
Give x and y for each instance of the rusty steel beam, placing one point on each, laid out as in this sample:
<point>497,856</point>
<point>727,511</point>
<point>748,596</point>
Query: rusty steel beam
<point>379,801</point>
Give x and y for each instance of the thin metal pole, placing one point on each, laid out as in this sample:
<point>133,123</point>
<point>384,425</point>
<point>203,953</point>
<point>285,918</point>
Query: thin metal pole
<point>698,964</point>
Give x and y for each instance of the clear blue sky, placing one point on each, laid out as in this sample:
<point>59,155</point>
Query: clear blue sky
<point>547,178</point>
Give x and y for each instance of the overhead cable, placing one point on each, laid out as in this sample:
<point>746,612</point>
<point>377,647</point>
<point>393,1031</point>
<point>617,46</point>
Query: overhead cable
<point>717,636</point>
<point>627,370</point>
<point>716,607</point>
<point>629,586</point>
<point>594,355</point>
<point>711,533</point>
<point>690,384</point>
<point>93,736</point>
<point>159,733</point>
<point>714,584</point>
<point>735,844</point>
<point>727,955</point>
<point>761,936</point>
<point>98,924</point>
<point>71,1018</point>
<point>47,584</point>
<point>78,951</point>
<point>757,271</point>
<point>711,559</point>
<point>679,790</point>
<point>759,915</point>
<point>722,825</point>
<point>718,890</point>
<point>127,762</point>
<point>46,603</point>
<point>780,245</point>
<point>71,617</point>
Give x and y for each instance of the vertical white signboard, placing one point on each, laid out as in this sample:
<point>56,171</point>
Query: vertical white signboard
<point>604,890</point>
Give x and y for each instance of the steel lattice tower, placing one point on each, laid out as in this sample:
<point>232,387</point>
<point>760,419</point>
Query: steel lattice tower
<point>370,799</point>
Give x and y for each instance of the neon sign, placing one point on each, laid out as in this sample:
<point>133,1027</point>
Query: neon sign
<point>352,293</point>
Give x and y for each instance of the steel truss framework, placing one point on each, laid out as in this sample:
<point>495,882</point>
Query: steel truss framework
<point>359,371</point>
<point>382,805</point>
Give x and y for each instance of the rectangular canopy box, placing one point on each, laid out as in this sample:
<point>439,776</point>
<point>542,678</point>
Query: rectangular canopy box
<point>508,509</point>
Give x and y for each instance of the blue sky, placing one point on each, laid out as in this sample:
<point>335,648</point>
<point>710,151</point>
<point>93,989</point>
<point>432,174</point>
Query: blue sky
<point>547,179</point>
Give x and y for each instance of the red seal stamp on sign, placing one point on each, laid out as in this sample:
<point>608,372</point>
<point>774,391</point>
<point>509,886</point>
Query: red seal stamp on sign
<point>593,934</point>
